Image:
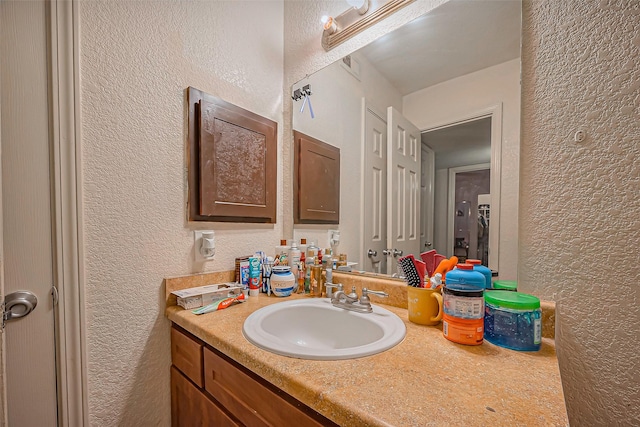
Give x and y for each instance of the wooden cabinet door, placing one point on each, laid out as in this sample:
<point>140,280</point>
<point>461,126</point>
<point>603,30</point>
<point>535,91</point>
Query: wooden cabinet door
<point>191,408</point>
<point>254,403</point>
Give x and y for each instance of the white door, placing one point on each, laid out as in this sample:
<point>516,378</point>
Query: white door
<point>29,343</point>
<point>374,192</point>
<point>427,198</point>
<point>403,191</point>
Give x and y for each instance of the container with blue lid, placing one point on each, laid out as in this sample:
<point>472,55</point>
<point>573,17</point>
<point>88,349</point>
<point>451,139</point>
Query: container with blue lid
<point>484,270</point>
<point>513,320</point>
<point>463,274</point>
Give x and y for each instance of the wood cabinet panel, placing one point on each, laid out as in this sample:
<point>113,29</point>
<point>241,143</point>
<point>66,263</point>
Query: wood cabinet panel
<point>186,355</point>
<point>209,389</point>
<point>253,402</point>
<point>317,181</point>
<point>232,162</point>
<point>191,408</point>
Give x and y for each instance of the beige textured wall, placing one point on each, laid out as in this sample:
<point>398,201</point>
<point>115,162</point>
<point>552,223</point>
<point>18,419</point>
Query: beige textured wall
<point>137,58</point>
<point>579,202</point>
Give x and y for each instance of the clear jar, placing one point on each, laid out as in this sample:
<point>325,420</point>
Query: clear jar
<point>513,320</point>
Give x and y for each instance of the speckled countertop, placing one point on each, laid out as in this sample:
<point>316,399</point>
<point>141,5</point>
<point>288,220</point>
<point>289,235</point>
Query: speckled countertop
<point>425,380</point>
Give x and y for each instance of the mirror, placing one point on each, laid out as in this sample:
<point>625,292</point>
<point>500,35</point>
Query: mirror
<point>454,74</point>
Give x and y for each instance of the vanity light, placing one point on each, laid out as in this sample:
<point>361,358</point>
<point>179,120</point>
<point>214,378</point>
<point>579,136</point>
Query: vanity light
<point>329,24</point>
<point>360,5</point>
<point>361,15</point>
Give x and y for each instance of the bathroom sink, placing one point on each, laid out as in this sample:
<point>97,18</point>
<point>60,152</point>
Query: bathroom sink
<point>315,329</point>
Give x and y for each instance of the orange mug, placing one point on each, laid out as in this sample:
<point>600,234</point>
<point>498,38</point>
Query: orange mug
<point>424,305</point>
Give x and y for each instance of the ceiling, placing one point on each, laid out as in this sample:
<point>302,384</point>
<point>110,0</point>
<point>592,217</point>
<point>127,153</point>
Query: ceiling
<point>457,38</point>
<point>462,144</point>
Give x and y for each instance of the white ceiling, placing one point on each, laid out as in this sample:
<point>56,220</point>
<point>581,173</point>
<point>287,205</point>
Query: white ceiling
<point>463,144</point>
<point>457,38</point>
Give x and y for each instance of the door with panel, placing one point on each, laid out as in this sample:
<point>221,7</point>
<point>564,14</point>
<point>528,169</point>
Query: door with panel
<point>27,230</point>
<point>403,191</point>
<point>374,192</point>
<point>427,174</point>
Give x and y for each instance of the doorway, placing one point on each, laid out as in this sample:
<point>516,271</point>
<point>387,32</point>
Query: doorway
<point>466,144</point>
<point>43,374</point>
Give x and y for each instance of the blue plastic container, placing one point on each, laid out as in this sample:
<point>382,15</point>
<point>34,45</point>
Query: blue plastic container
<point>513,320</point>
<point>463,274</point>
<point>486,271</point>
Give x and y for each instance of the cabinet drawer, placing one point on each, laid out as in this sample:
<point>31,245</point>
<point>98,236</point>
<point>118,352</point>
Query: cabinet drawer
<point>186,355</point>
<point>253,403</point>
<point>189,407</point>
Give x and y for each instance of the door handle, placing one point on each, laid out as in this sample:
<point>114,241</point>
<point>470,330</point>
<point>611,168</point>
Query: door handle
<point>18,304</point>
<point>371,253</point>
<point>427,244</point>
<point>397,253</point>
<point>386,252</point>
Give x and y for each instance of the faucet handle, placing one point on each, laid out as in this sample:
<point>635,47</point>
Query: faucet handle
<point>364,299</point>
<point>353,294</point>
<point>366,292</point>
<point>330,286</point>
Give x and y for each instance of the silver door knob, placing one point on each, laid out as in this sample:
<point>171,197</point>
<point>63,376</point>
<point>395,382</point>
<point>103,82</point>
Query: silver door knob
<point>397,252</point>
<point>18,304</point>
<point>386,252</point>
<point>371,253</point>
<point>427,244</point>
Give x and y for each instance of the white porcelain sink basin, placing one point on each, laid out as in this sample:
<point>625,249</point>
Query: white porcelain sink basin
<point>315,329</point>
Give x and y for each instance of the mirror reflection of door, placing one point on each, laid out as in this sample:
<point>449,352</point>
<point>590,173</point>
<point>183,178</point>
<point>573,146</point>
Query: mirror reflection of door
<point>460,148</point>
<point>375,192</point>
<point>471,229</point>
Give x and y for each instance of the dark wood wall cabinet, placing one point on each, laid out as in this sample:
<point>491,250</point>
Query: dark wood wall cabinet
<point>316,186</point>
<point>232,162</point>
<point>210,389</point>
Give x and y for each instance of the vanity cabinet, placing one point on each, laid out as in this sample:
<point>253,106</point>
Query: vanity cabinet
<point>210,389</point>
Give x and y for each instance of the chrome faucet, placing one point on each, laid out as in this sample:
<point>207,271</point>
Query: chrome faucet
<point>352,302</point>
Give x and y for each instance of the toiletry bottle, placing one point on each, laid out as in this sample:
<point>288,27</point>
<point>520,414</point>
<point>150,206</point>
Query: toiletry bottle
<point>316,280</point>
<point>312,250</point>
<point>294,258</point>
<point>307,273</point>
<point>282,253</point>
<point>327,262</point>
<point>302,271</point>
<point>303,246</point>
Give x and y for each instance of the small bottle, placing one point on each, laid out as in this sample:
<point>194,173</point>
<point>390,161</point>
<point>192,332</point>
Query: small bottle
<point>312,250</point>
<point>301,273</point>
<point>303,246</point>
<point>282,253</point>
<point>294,258</point>
<point>316,283</point>
<point>307,274</point>
<point>327,263</point>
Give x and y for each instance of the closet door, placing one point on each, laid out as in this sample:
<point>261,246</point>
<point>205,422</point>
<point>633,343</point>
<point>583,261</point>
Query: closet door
<point>403,191</point>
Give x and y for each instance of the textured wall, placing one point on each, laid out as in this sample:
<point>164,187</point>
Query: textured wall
<point>137,58</point>
<point>579,204</point>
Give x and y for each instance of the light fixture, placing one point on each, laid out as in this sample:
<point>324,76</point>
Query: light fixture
<point>360,5</point>
<point>329,24</point>
<point>361,15</point>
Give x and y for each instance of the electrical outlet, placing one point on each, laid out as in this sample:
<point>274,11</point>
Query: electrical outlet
<point>204,246</point>
<point>333,237</point>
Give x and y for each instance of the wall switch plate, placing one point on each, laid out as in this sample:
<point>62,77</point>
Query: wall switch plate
<point>204,245</point>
